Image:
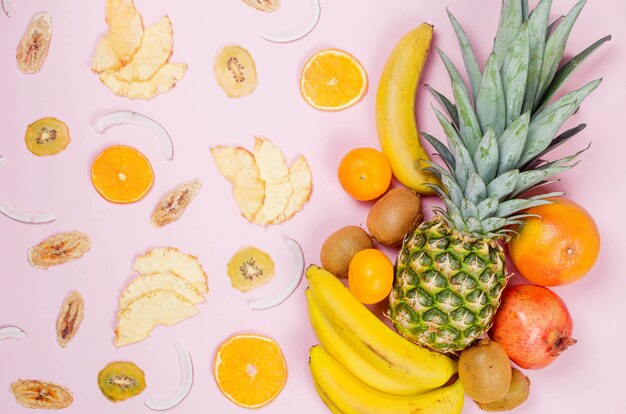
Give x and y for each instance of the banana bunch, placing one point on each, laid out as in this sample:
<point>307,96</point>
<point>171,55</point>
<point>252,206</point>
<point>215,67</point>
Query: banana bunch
<point>362,366</point>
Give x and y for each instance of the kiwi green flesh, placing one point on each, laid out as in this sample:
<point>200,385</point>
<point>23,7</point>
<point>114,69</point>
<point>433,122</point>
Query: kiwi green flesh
<point>119,381</point>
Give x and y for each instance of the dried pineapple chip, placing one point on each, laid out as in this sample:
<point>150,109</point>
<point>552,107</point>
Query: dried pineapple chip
<point>302,184</point>
<point>157,281</point>
<point>155,50</point>
<point>41,394</point>
<point>59,249</point>
<point>159,307</point>
<point>238,166</point>
<point>169,259</point>
<point>275,173</point>
<point>123,39</point>
<point>162,81</point>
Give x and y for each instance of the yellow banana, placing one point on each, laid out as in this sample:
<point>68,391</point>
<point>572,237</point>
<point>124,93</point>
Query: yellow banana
<point>361,368</point>
<point>331,406</point>
<point>395,110</point>
<point>351,396</point>
<point>372,339</point>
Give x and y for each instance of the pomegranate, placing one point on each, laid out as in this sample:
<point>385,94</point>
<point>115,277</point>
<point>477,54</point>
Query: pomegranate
<point>533,325</point>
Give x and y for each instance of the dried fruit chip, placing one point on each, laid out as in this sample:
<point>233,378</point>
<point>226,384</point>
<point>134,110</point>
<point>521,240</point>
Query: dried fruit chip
<point>162,81</point>
<point>169,259</point>
<point>302,185</point>
<point>70,317</point>
<point>59,249</point>
<point>174,203</point>
<point>159,307</point>
<point>238,166</point>
<point>297,32</point>
<point>235,71</point>
<point>274,172</point>
<point>121,380</point>
<point>250,268</point>
<point>267,6</point>
<point>47,136</point>
<point>155,50</point>
<point>157,281</point>
<point>41,394</point>
<point>121,42</point>
<point>33,48</point>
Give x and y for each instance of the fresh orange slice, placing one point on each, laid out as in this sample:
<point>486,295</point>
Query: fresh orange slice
<point>250,370</point>
<point>333,80</point>
<point>121,174</point>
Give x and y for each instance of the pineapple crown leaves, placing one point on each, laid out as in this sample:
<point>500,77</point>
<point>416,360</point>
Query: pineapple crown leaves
<point>500,126</point>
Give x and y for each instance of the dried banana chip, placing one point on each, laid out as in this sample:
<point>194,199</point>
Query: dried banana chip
<point>169,259</point>
<point>238,166</point>
<point>302,184</point>
<point>274,172</point>
<point>174,203</point>
<point>33,49</point>
<point>41,394</point>
<point>155,50</point>
<point>59,249</point>
<point>267,6</point>
<point>117,47</point>
<point>70,317</point>
<point>162,81</point>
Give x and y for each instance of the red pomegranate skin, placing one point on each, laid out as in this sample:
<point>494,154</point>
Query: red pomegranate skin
<point>533,325</point>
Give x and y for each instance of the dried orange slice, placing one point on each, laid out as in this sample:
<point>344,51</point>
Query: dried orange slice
<point>121,174</point>
<point>250,370</point>
<point>333,80</point>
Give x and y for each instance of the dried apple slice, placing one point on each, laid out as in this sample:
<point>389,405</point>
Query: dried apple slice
<point>157,281</point>
<point>274,172</point>
<point>59,249</point>
<point>33,49</point>
<point>123,39</point>
<point>238,166</point>
<point>159,307</point>
<point>174,203</point>
<point>169,259</point>
<point>155,50</point>
<point>302,184</point>
<point>162,81</point>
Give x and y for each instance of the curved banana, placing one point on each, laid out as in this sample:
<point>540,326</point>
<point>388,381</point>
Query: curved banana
<point>351,396</point>
<point>346,355</point>
<point>331,406</point>
<point>395,110</point>
<point>372,339</point>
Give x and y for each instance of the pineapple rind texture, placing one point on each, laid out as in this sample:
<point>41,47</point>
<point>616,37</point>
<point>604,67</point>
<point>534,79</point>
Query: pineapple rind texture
<point>447,287</point>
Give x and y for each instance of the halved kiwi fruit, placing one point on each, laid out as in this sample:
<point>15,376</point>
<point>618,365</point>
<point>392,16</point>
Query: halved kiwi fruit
<point>47,136</point>
<point>235,71</point>
<point>250,268</point>
<point>121,380</point>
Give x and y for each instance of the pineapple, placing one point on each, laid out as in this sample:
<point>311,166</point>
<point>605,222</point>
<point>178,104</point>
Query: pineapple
<point>451,271</point>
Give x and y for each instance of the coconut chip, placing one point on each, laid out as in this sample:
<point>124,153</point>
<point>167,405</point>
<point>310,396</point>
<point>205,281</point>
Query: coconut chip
<point>8,7</point>
<point>296,32</point>
<point>12,332</point>
<point>137,119</point>
<point>186,381</point>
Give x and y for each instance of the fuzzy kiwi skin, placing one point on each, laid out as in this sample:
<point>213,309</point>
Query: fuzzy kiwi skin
<point>341,246</point>
<point>516,396</point>
<point>485,371</point>
<point>393,216</point>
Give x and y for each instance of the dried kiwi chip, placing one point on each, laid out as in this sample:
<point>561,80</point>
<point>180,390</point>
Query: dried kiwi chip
<point>121,380</point>
<point>47,136</point>
<point>250,268</point>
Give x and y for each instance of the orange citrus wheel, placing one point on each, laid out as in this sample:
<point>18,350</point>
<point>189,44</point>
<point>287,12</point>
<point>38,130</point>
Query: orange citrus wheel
<point>558,247</point>
<point>333,80</point>
<point>370,276</point>
<point>121,174</point>
<point>364,173</point>
<point>250,370</point>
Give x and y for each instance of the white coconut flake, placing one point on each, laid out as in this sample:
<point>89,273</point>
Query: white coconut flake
<point>297,32</point>
<point>137,119</point>
<point>2,161</point>
<point>186,381</point>
<point>291,285</point>
<point>12,332</point>
<point>8,7</point>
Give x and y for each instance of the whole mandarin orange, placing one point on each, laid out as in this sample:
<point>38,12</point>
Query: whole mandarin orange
<point>364,173</point>
<point>558,247</point>
<point>370,276</point>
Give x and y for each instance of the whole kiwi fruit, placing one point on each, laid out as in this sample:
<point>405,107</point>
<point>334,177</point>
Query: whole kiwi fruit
<point>341,246</point>
<point>516,396</point>
<point>393,216</point>
<point>485,371</point>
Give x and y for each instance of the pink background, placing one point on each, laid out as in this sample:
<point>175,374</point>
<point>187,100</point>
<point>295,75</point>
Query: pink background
<point>587,378</point>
